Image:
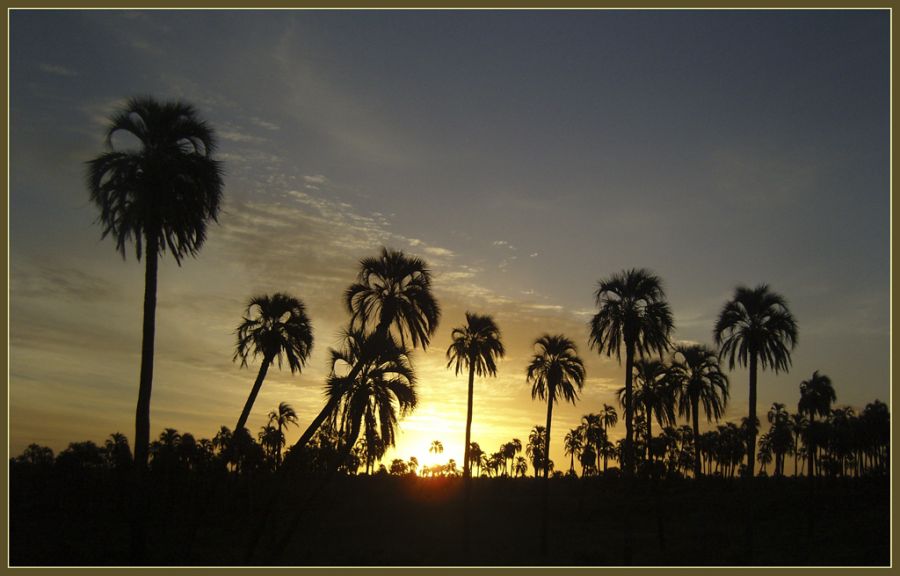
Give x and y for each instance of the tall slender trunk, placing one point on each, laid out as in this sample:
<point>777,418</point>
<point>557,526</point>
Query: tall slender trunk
<point>467,472</point>
<point>248,405</point>
<point>545,499</point>
<point>648,454</point>
<point>628,464</point>
<point>695,417</point>
<point>140,498</point>
<point>142,414</point>
<point>751,444</point>
<point>810,447</point>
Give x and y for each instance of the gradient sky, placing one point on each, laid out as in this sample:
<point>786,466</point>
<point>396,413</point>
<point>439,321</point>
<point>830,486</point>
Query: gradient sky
<point>524,155</point>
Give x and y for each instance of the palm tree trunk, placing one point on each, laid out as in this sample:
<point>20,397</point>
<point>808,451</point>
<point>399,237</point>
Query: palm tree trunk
<point>810,447</point>
<point>139,501</point>
<point>751,444</point>
<point>467,472</point>
<point>648,455</point>
<point>545,500</point>
<point>695,417</point>
<point>628,464</point>
<point>245,413</point>
<point>142,414</point>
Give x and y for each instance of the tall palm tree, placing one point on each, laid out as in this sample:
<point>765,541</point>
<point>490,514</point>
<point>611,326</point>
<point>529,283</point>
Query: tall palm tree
<point>655,394</point>
<point>633,313</point>
<point>755,328</point>
<point>555,372</point>
<point>160,195</point>
<point>273,326</point>
<point>475,346</point>
<point>390,300</point>
<point>816,397</point>
<point>283,416</point>
<point>695,369</point>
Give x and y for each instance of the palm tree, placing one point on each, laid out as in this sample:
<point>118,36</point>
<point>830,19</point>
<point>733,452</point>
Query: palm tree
<point>695,370</point>
<point>756,327</point>
<point>370,403</point>
<point>273,326</point>
<point>798,423</point>
<point>534,449</point>
<point>593,432</point>
<point>781,439</point>
<point>655,394</point>
<point>160,195</point>
<point>573,446</point>
<point>521,466</point>
<point>392,294</point>
<point>634,313</point>
<point>476,346</point>
<point>555,371</point>
<point>436,447</point>
<point>281,418</point>
<point>816,397</point>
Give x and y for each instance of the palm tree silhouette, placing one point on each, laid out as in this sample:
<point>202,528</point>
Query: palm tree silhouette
<point>534,449</point>
<point>273,326</point>
<point>160,195</point>
<point>573,446</point>
<point>798,423</point>
<point>436,447</point>
<point>281,418</point>
<point>382,390</point>
<point>695,370</point>
<point>476,346</point>
<point>655,393</point>
<point>555,371</point>
<point>392,293</point>
<point>634,313</point>
<point>816,397</point>
<point>756,327</point>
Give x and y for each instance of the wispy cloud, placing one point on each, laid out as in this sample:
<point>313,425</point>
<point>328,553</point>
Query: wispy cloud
<point>58,70</point>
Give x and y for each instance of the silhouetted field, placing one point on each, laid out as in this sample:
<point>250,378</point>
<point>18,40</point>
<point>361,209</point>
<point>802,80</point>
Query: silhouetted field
<point>58,519</point>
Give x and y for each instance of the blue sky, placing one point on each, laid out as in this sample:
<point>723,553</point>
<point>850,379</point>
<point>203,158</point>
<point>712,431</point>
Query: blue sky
<point>524,154</point>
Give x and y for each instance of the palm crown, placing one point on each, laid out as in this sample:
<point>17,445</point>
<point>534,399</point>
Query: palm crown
<point>756,322</point>
<point>167,190</point>
<point>555,369</point>
<point>394,290</point>
<point>476,345</point>
<point>275,326</point>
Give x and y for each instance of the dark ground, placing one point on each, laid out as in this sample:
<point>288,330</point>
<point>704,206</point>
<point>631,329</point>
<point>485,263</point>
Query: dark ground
<point>81,520</point>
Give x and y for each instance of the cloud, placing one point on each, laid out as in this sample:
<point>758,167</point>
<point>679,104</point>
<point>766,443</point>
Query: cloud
<point>438,251</point>
<point>316,179</point>
<point>264,124</point>
<point>534,255</point>
<point>58,70</point>
<point>235,136</point>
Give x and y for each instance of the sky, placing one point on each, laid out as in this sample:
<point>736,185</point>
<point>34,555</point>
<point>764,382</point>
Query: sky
<point>524,155</point>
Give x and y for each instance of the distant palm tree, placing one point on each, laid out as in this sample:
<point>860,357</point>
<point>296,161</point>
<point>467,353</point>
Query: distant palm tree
<point>281,418</point>
<point>159,195</point>
<point>816,397</point>
<point>781,438</point>
<point>273,326</point>
<point>271,439</point>
<point>798,423</point>
<point>756,327</point>
<point>592,433</point>
<point>534,449</point>
<point>521,466</point>
<point>413,464</point>
<point>475,346</point>
<point>633,313</point>
<point>555,371</point>
<point>392,293</point>
<point>573,446</point>
<point>655,394</point>
<point>695,370</point>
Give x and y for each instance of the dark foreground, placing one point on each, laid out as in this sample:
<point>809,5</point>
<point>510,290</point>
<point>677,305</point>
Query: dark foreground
<point>385,520</point>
